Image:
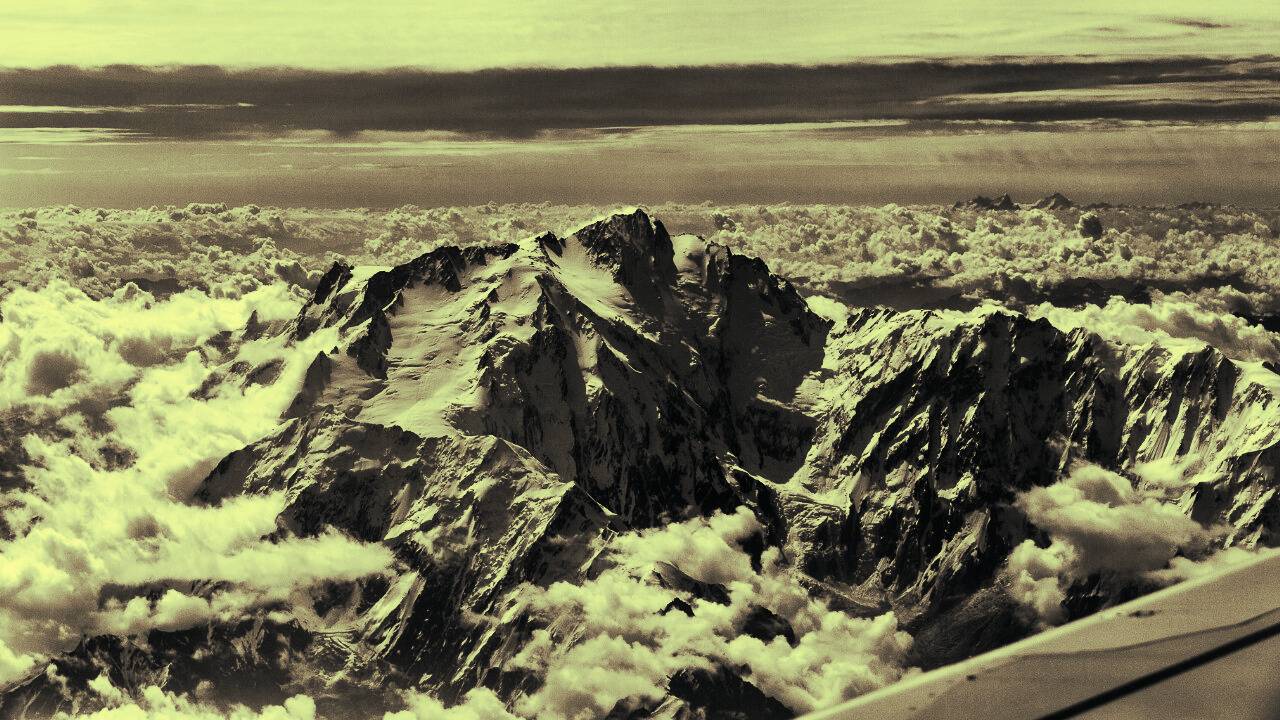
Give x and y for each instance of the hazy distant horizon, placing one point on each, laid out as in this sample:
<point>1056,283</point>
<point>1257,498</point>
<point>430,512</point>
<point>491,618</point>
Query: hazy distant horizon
<point>133,104</point>
<point>1233,164</point>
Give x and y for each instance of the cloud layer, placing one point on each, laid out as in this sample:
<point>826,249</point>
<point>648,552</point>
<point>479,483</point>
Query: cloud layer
<point>124,398</point>
<point>1221,260</point>
<point>119,407</point>
<point>224,252</point>
<point>210,102</point>
<point>616,636</point>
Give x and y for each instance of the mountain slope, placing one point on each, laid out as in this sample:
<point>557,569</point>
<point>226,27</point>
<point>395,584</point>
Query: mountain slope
<point>528,422</point>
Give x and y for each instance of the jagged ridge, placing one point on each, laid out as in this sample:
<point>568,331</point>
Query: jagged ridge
<point>495,413</point>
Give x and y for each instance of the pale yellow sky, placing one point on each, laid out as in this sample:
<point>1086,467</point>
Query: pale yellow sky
<point>1157,129</point>
<point>575,33</point>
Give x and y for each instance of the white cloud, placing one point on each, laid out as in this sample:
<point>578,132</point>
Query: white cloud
<point>1109,524</point>
<point>1097,522</point>
<point>226,252</point>
<point>1035,579</point>
<point>477,704</point>
<point>608,638</point>
<point>156,704</point>
<point>1166,320</point>
<point>14,665</point>
<point>59,347</point>
<point>113,454</point>
<point>1184,568</point>
<point>824,249</point>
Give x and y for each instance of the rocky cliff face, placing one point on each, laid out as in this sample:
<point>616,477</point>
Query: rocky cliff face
<point>498,415</point>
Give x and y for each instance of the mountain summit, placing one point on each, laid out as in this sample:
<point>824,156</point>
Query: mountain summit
<point>982,202</point>
<point>528,425</point>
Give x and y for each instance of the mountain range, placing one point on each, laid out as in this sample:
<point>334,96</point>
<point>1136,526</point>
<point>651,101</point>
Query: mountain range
<point>529,426</point>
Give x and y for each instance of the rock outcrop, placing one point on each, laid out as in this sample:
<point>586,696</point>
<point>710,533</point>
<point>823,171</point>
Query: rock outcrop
<point>496,414</point>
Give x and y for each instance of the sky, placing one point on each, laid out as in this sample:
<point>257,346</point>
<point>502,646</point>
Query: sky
<point>133,103</point>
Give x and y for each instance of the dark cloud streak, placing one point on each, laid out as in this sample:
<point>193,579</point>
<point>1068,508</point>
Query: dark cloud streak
<point>1199,24</point>
<point>203,102</point>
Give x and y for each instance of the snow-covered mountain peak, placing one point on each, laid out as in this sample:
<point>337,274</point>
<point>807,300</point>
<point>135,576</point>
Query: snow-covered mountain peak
<point>663,421</point>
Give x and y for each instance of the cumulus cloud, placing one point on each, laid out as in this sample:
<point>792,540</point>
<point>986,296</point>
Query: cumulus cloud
<point>897,255</point>
<point>156,704</point>
<point>908,256</point>
<point>1035,579</point>
<point>618,636</point>
<point>1168,320</point>
<point>477,704</point>
<point>1099,522</point>
<point>1184,568</point>
<point>59,347</point>
<point>142,401</point>
<point>1097,512</point>
<point>14,664</point>
<point>224,252</point>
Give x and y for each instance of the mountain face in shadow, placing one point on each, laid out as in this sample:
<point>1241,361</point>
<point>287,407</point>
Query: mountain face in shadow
<point>499,416</point>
